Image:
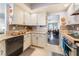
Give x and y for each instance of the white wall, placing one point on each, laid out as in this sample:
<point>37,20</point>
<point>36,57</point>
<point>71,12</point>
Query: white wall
<point>2,16</point>
<point>2,8</point>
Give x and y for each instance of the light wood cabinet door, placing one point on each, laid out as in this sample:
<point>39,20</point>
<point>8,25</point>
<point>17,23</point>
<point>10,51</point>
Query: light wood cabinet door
<point>27,17</point>
<point>27,41</point>
<point>2,48</point>
<point>76,6</point>
<point>42,40</point>
<point>35,39</point>
<point>70,9</point>
<point>70,19</point>
<point>18,15</point>
<point>41,19</point>
<point>39,40</point>
<point>33,19</point>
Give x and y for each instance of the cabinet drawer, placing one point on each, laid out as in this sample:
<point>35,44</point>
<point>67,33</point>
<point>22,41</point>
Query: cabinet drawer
<point>34,35</point>
<point>27,43</point>
<point>27,35</point>
<point>42,35</point>
<point>2,44</point>
<point>2,48</point>
<point>27,38</point>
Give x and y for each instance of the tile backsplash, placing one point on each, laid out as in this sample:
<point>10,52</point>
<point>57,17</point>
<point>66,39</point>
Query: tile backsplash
<point>15,27</point>
<point>73,28</point>
<point>39,29</point>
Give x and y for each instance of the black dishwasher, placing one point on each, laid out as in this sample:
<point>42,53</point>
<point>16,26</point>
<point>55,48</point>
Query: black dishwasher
<point>14,46</point>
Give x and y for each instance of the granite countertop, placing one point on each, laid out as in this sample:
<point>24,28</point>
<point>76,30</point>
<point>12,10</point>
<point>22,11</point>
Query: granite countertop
<point>70,38</point>
<point>5,36</point>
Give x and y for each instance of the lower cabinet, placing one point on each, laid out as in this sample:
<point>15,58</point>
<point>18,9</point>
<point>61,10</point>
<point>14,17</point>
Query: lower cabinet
<point>42,40</point>
<point>2,48</point>
<point>27,41</point>
<point>34,39</point>
<point>39,39</point>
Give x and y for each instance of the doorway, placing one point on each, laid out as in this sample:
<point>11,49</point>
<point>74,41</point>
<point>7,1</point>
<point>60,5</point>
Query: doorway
<point>53,33</point>
<point>53,29</point>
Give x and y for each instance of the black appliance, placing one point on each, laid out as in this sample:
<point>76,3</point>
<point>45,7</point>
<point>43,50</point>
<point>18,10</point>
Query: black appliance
<point>14,46</point>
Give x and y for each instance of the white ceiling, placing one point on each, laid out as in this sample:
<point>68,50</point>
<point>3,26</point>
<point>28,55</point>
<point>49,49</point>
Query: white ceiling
<point>37,5</point>
<point>47,7</point>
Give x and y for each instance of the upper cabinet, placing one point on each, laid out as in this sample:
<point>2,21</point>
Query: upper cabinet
<point>70,9</point>
<point>33,19</point>
<point>73,9</point>
<point>76,5</point>
<point>36,19</point>
<point>76,9</point>
<point>41,18</point>
<point>27,17</point>
<point>15,14</point>
<point>18,15</point>
<point>71,19</point>
<point>21,16</point>
<point>30,19</point>
<point>72,16</point>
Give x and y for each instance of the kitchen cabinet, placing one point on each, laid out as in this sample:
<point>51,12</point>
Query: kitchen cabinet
<point>14,45</point>
<point>30,19</point>
<point>76,6</point>
<point>27,41</point>
<point>35,19</point>
<point>70,9</point>
<point>2,48</point>
<point>42,40</point>
<point>39,40</point>
<point>18,15</point>
<point>35,39</point>
<point>71,19</point>
<point>41,18</point>
<point>27,17</point>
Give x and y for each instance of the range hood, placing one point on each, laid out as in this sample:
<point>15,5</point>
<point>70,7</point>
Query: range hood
<point>76,12</point>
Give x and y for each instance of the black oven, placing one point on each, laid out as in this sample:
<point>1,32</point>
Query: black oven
<point>14,46</point>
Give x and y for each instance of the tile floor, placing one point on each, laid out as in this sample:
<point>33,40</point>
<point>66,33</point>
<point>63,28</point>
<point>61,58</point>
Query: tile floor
<point>34,51</point>
<point>50,50</point>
